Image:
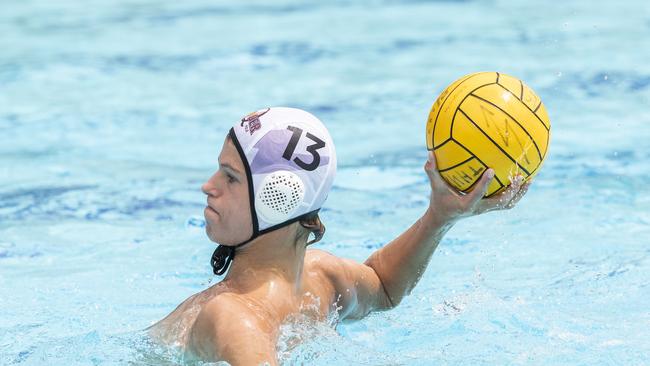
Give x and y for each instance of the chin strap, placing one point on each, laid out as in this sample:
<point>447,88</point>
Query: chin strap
<point>221,259</point>
<point>223,256</point>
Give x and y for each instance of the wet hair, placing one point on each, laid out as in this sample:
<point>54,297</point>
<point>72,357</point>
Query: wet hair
<point>311,224</point>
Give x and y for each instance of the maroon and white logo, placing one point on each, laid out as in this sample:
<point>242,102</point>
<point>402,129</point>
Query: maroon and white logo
<point>251,122</point>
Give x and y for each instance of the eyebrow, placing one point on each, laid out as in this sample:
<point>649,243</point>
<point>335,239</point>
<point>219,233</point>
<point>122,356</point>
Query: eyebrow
<point>228,166</point>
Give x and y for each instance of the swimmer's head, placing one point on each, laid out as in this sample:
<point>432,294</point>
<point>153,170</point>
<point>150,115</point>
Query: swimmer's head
<point>285,170</point>
<point>226,222</point>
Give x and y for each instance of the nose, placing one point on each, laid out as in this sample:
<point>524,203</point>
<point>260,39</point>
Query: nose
<point>210,187</point>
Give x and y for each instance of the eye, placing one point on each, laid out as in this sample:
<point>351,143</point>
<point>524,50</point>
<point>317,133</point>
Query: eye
<point>231,178</point>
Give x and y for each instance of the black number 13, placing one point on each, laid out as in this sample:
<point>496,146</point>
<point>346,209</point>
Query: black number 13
<point>312,149</point>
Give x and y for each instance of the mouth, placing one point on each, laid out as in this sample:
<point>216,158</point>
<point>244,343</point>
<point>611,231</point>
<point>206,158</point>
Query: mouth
<point>208,208</point>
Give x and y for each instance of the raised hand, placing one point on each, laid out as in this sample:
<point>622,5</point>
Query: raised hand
<point>448,204</point>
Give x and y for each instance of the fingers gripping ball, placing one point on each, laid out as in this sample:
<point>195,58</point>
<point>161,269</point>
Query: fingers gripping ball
<point>488,120</point>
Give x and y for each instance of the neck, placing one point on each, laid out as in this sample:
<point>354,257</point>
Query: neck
<point>271,259</point>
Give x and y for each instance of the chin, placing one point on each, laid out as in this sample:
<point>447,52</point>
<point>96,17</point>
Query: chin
<point>209,231</point>
<point>216,235</point>
<point>217,238</point>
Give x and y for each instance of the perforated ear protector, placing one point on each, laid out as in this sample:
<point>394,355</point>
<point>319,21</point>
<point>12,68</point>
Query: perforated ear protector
<point>280,194</point>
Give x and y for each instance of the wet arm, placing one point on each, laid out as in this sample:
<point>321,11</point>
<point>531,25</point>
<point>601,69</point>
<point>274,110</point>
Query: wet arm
<point>390,273</point>
<point>401,263</point>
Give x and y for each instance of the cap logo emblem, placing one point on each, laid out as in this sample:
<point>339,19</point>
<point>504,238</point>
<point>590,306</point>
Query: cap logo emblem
<point>251,122</point>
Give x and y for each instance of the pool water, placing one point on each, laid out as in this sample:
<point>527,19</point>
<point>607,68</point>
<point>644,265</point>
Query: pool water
<point>112,115</point>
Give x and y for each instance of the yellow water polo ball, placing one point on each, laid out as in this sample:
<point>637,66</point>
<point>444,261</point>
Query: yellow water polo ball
<point>488,120</point>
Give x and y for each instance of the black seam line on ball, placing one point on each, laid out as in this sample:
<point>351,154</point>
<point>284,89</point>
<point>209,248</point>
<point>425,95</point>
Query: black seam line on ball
<point>457,165</point>
<point>435,121</point>
<point>477,158</point>
<point>539,153</point>
<point>453,119</point>
<point>495,144</point>
<point>480,161</point>
<point>441,145</point>
<point>527,107</point>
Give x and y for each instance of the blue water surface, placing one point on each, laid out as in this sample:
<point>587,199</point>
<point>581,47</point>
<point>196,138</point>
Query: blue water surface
<point>112,114</point>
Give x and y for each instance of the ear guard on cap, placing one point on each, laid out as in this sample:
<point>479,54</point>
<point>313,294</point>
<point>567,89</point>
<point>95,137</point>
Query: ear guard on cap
<point>280,194</point>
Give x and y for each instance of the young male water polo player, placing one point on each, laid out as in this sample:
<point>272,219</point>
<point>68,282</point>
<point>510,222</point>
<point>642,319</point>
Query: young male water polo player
<point>276,168</point>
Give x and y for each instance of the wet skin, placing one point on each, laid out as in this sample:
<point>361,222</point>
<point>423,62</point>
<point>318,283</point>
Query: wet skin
<point>237,320</point>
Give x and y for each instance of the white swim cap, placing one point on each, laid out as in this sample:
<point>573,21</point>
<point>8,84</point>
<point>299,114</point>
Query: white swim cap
<point>290,164</point>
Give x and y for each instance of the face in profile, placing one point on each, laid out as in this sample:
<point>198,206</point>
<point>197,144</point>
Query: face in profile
<point>227,214</point>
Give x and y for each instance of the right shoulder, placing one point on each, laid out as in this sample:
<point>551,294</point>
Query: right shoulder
<point>357,287</point>
<point>226,329</point>
<point>324,262</point>
<point>340,271</point>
